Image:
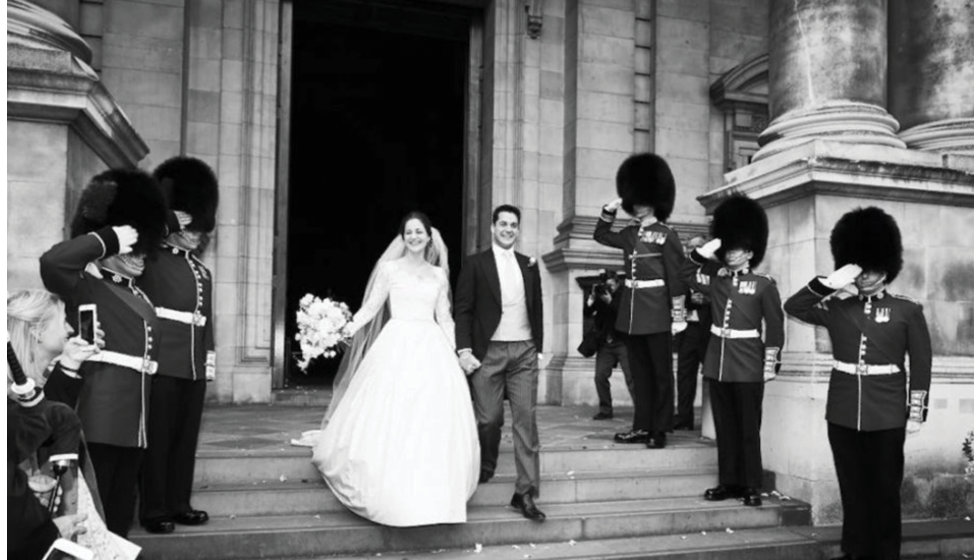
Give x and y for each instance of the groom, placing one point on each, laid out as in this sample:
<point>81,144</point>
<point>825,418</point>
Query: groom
<point>499,336</point>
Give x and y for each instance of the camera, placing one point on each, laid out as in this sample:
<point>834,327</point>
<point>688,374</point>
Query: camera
<point>600,289</point>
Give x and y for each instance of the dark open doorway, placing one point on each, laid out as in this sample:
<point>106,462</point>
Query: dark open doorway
<point>377,128</point>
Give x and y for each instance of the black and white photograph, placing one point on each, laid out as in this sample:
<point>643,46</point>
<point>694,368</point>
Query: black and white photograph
<point>490,279</point>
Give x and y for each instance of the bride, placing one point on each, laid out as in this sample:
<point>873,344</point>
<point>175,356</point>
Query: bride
<point>399,444</point>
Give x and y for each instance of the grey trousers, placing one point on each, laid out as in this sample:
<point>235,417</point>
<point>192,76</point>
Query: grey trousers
<point>609,355</point>
<point>510,366</point>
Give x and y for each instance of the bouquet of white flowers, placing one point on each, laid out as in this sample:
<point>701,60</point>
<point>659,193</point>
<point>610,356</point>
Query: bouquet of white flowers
<point>320,322</point>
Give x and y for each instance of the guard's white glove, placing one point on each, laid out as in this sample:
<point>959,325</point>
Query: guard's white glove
<point>708,249</point>
<point>677,327</point>
<point>912,426</point>
<point>183,218</point>
<point>843,276</point>
<point>127,236</point>
<point>613,206</point>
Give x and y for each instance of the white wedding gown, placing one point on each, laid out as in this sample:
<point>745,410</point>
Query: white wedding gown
<point>401,447</point>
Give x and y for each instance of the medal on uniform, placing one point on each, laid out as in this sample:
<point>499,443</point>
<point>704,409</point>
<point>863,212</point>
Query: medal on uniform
<point>747,287</point>
<point>649,236</point>
<point>883,314</point>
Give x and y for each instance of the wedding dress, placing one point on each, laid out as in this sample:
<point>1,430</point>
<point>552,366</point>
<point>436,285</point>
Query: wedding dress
<point>400,447</point>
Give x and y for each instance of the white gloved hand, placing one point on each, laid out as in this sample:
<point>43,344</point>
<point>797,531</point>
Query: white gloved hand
<point>183,218</point>
<point>614,205</point>
<point>708,249</point>
<point>678,327</point>
<point>912,426</point>
<point>842,277</point>
<point>127,236</point>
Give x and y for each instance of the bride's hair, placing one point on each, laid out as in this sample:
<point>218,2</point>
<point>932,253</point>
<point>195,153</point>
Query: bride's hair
<point>416,215</point>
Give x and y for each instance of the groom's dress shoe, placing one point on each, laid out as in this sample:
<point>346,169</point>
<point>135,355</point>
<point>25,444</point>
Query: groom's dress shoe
<point>632,436</point>
<point>192,517</point>
<point>752,497</point>
<point>485,476</point>
<point>722,492</point>
<point>657,441</point>
<point>159,526</point>
<point>525,503</point>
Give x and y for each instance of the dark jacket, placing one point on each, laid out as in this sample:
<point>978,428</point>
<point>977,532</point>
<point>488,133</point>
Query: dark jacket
<point>30,530</point>
<point>651,253</point>
<point>178,281</point>
<point>478,305</point>
<point>880,330</point>
<point>113,400</point>
<point>742,302</point>
<point>604,317</point>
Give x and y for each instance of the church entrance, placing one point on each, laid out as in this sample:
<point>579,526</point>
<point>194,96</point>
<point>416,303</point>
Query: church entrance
<point>377,95</point>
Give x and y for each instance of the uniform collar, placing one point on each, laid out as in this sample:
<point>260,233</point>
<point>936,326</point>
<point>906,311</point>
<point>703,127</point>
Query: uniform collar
<point>116,277</point>
<point>725,271</point>
<point>645,222</point>
<point>878,295</point>
<point>175,249</point>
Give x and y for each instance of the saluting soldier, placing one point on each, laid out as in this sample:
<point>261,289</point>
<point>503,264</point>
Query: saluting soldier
<point>746,338</point>
<point>180,286</point>
<point>652,307</point>
<point>119,222</point>
<point>868,408</point>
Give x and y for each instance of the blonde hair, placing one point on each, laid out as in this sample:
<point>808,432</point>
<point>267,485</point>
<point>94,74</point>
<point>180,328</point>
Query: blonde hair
<point>28,314</point>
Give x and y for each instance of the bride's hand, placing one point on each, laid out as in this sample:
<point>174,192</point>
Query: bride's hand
<point>348,330</point>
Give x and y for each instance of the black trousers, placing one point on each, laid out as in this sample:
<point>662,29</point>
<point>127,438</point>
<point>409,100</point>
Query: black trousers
<point>117,474</point>
<point>174,423</point>
<point>869,467</point>
<point>606,358</point>
<point>653,381</point>
<point>737,408</point>
<point>692,347</point>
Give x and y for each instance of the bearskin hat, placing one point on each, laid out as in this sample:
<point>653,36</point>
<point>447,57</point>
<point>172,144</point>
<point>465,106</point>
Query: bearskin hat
<point>869,238</point>
<point>646,179</point>
<point>741,223</point>
<point>189,185</point>
<point>123,197</point>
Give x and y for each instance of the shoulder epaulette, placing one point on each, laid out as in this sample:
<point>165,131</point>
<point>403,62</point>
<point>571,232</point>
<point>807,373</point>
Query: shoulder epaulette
<point>906,298</point>
<point>768,277</point>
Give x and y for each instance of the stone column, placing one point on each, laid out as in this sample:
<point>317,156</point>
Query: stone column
<point>64,128</point>
<point>930,78</point>
<point>827,74</point>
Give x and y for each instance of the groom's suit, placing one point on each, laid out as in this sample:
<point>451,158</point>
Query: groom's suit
<point>506,337</point>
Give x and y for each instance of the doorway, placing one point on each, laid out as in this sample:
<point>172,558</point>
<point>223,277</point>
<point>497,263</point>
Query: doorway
<point>378,105</point>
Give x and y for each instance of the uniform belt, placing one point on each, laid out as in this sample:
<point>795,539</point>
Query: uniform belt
<point>186,317</point>
<point>142,365</point>
<point>638,284</point>
<point>866,369</point>
<point>734,333</point>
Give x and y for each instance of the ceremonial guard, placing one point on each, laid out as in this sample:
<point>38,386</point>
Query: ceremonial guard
<point>691,347</point>
<point>118,223</point>
<point>652,306</point>
<point>746,338</point>
<point>868,408</point>
<point>180,286</point>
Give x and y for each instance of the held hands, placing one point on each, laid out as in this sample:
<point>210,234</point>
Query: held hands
<point>843,276</point>
<point>708,249</point>
<point>468,362</point>
<point>127,237</point>
<point>677,327</point>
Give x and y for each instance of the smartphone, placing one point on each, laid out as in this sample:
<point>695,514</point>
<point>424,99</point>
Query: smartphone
<point>64,549</point>
<point>86,322</point>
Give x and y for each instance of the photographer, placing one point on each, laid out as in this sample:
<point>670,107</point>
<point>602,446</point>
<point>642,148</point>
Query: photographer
<point>602,305</point>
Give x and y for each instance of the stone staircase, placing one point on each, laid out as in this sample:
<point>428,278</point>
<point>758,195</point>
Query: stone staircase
<point>271,503</point>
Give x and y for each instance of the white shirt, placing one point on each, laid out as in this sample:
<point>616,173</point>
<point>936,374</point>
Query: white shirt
<point>515,326</point>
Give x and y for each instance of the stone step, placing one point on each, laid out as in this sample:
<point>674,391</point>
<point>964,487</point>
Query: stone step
<point>312,496</point>
<point>774,543</point>
<point>292,464</point>
<point>291,536</point>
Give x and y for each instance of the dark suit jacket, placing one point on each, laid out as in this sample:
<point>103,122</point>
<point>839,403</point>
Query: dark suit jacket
<point>478,308</point>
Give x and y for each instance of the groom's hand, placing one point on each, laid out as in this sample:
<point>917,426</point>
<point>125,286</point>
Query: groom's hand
<point>468,361</point>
